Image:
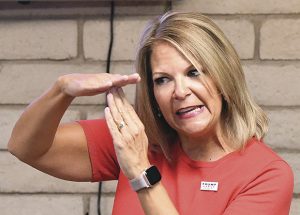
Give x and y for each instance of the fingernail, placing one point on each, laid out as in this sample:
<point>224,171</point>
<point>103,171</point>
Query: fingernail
<point>106,109</point>
<point>109,95</point>
<point>109,83</point>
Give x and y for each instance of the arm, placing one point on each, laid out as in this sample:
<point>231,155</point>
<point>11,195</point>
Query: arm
<point>131,147</point>
<point>59,150</point>
<point>156,201</point>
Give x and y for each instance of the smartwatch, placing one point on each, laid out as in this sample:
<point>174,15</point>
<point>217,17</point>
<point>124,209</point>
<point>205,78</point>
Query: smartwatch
<point>146,179</point>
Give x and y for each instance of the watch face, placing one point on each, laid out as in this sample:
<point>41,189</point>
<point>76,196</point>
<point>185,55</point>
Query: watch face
<point>153,175</point>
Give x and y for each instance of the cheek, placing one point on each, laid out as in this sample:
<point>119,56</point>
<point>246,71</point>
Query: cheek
<point>162,98</point>
<point>217,104</point>
<point>158,97</point>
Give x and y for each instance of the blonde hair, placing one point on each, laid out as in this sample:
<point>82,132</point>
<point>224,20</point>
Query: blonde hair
<point>202,42</point>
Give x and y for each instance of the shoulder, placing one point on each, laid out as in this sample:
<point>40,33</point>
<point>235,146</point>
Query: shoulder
<point>267,167</point>
<point>265,182</point>
<point>257,152</point>
<point>258,162</point>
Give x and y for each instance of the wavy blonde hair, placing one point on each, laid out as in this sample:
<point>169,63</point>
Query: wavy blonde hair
<point>201,41</point>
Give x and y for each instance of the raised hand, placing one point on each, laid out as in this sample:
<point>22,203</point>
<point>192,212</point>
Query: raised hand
<point>93,84</point>
<point>129,137</point>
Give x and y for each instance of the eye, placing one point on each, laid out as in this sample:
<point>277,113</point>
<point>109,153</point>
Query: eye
<point>193,73</point>
<point>161,80</point>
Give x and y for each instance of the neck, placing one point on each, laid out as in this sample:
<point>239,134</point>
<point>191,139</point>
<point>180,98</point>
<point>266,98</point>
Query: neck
<point>205,148</point>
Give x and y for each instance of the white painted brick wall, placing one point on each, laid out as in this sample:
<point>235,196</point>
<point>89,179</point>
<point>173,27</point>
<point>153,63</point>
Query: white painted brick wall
<point>109,186</point>
<point>241,34</point>
<point>21,83</point>
<point>19,177</point>
<point>10,116</point>
<point>294,161</point>
<point>38,39</point>
<point>274,84</point>
<point>106,205</point>
<point>238,6</point>
<point>41,204</point>
<point>295,207</point>
<point>126,37</point>
<point>280,39</point>
<point>284,128</point>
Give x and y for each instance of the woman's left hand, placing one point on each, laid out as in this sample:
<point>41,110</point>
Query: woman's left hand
<point>128,133</point>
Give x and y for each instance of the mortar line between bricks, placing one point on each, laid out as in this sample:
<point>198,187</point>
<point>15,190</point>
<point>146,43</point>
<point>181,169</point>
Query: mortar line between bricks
<point>257,23</point>
<point>296,195</point>
<point>54,17</point>
<point>55,193</point>
<point>287,150</point>
<point>232,16</point>
<point>74,61</point>
<point>264,62</point>
<point>14,17</point>
<point>82,61</point>
<point>280,107</point>
<point>80,48</point>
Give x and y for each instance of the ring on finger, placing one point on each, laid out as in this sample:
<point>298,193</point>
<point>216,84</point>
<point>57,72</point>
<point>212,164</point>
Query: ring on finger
<point>121,125</point>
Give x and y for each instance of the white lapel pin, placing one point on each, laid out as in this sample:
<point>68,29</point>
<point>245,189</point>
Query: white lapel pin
<point>209,185</point>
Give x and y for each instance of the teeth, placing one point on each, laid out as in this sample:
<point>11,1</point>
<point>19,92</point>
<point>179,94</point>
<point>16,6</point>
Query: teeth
<point>185,110</point>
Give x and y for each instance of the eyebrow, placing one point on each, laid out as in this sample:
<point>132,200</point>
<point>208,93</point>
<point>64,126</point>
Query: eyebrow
<point>165,73</point>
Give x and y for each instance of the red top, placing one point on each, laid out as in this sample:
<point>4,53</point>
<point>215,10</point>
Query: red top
<point>252,181</point>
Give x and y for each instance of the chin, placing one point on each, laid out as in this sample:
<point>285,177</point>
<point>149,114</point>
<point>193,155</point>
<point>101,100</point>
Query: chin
<point>196,128</point>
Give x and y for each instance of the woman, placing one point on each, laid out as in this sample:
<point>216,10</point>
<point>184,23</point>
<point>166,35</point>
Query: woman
<point>193,144</point>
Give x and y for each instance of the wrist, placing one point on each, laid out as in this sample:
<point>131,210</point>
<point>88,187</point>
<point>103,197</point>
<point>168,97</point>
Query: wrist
<point>146,179</point>
<point>60,86</point>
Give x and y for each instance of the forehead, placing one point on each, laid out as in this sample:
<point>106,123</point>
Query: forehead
<point>165,56</point>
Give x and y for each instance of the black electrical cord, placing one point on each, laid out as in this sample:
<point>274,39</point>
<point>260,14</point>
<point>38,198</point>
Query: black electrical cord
<point>168,6</point>
<point>112,15</point>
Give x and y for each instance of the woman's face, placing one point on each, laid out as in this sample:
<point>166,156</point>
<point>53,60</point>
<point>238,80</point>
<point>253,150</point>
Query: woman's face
<point>191,106</point>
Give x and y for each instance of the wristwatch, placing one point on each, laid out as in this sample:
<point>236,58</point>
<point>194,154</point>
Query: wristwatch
<point>146,179</point>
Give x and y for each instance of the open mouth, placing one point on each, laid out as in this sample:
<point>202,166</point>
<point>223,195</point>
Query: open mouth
<point>186,110</point>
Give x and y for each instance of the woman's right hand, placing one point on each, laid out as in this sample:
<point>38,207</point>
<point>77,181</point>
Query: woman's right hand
<point>92,84</point>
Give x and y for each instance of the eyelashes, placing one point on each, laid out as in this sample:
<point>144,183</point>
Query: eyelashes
<point>160,80</point>
<point>193,73</point>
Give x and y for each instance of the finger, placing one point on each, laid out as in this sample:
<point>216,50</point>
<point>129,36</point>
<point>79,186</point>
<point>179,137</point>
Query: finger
<point>134,78</point>
<point>129,109</point>
<point>125,80</point>
<point>132,126</point>
<point>125,129</point>
<point>113,108</point>
<point>122,110</point>
<point>113,128</point>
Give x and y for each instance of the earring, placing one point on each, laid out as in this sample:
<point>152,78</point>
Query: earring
<point>159,113</point>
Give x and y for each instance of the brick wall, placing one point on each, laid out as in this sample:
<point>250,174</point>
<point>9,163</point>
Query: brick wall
<point>39,44</point>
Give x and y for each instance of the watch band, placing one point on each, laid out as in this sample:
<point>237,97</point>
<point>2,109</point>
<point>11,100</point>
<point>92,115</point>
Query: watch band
<point>146,179</point>
<point>140,182</point>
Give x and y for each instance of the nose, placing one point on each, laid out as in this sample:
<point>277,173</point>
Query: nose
<point>181,90</point>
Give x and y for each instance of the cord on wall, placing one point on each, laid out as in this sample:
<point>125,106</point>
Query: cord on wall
<point>108,60</point>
